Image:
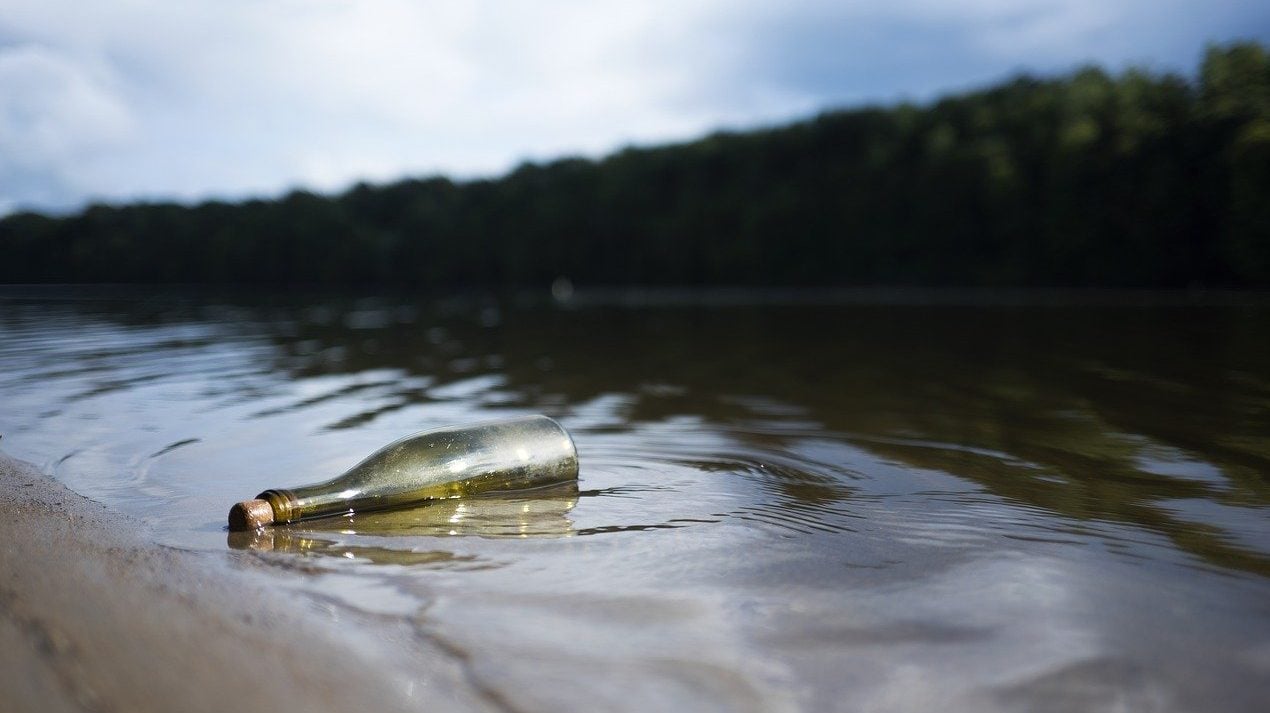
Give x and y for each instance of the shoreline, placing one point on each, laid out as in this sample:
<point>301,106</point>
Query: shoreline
<point>95,617</point>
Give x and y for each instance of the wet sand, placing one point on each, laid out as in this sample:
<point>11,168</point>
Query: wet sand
<point>94,617</point>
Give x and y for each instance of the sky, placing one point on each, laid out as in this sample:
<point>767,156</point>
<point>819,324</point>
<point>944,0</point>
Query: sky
<point>142,100</point>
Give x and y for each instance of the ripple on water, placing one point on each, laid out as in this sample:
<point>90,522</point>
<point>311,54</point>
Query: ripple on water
<point>821,507</point>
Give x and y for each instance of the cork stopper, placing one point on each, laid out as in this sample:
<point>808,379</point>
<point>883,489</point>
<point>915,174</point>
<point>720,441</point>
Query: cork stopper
<point>250,515</point>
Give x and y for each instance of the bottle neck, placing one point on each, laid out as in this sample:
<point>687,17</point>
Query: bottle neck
<point>284,504</point>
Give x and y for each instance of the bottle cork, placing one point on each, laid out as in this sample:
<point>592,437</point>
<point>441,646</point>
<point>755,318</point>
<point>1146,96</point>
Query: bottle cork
<point>250,515</point>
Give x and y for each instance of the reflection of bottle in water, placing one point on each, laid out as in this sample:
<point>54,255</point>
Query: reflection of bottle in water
<point>499,456</point>
<point>362,535</point>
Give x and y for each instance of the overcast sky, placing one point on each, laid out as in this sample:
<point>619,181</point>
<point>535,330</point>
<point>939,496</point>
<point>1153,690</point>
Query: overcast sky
<point>160,99</point>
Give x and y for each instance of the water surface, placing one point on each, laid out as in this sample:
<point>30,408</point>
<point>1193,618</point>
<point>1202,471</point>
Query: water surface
<point>861,502</point>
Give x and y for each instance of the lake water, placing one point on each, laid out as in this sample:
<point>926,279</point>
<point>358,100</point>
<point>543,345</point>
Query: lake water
<point>846,502</point>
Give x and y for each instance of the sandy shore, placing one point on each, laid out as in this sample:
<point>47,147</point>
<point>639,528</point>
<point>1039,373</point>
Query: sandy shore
<point>94,617</point>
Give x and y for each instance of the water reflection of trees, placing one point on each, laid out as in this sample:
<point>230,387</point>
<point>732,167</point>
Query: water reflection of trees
<point>1045,405</point>
<point>1049,406</point>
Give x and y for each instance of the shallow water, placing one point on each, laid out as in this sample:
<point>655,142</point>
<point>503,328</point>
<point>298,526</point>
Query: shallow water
<point>844,502</point>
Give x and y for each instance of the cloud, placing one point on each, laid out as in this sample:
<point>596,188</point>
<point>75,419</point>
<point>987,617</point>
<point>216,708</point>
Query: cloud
<point>56,113</point>
<point>237,97</point>
<point>152,99</point>
<point>834,53</point>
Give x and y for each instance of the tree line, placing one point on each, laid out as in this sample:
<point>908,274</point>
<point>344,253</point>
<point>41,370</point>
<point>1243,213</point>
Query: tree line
<point>1132,180</point>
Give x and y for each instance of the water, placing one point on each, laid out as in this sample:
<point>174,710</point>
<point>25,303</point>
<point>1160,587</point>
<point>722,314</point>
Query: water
<point>859,502</point>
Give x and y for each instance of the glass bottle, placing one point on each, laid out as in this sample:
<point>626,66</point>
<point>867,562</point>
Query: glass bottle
<point>539,513</point>
<point>496,456</point>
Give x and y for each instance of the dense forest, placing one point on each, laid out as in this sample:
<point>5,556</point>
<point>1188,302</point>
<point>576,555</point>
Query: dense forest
<point>1135,180</point>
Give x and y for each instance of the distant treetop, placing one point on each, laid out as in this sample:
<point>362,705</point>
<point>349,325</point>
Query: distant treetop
<point>1136,180</point>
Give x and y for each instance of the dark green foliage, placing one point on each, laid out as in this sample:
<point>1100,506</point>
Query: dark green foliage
<point>1136,180</point>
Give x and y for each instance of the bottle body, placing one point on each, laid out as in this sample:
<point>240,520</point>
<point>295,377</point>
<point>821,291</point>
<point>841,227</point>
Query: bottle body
<point>540,513</point>
<point>497,456</point>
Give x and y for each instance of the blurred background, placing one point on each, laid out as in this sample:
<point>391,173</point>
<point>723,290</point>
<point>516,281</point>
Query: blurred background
<point>1031,142</point>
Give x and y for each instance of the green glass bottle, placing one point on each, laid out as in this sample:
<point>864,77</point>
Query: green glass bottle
<point>540,513</point>
<point>497,456</point>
